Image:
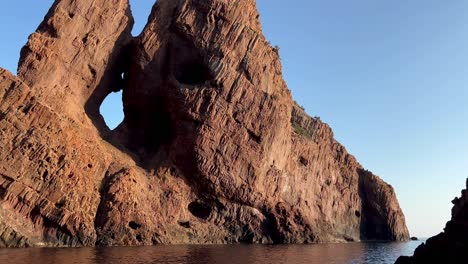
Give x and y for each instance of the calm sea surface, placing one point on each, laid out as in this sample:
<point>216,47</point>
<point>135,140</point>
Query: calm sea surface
<point>290,254</point>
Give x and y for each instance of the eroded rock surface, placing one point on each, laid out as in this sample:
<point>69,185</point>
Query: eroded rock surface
<point>450,246</point>
<point>212,148</point>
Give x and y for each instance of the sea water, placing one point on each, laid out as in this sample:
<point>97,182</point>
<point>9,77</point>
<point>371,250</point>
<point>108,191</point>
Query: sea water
<point>351,253</point>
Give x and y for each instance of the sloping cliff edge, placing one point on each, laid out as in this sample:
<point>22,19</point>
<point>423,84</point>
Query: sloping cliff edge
<point>450,246</point>
<point>212,148</point>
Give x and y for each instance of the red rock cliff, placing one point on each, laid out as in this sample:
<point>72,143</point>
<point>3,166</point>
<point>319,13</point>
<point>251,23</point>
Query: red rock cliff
<point>211,150</point>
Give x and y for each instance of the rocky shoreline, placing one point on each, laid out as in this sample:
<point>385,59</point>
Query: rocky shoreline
<point>450,246</point>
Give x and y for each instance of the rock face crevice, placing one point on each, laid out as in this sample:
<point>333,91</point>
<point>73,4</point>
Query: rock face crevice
<point>212,148</point>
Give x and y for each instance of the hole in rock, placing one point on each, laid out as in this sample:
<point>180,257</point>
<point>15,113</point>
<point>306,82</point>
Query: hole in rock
<point>60,204</point>
<point>254,136</point>
<point>45,174</point>
<point>139,238</point>
<point>303,161</point>
<point>112,110</point>
<point>199,210</point>
<point>140,11</point>
<point>134,225</point>
<point>357,213</point>
<point>193,73</point>
<point>185,224</point>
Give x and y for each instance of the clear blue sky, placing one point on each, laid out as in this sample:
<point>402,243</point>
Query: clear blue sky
<point>390,77</point>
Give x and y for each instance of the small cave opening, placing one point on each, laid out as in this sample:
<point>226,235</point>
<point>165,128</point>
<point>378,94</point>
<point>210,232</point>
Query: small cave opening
<point>199,210</point>
<point>248,235</point>
<point>134,225</point>
<point>111,110</point>
<point>247,238</point>
<point>139,238</point>
<point>194,72</point>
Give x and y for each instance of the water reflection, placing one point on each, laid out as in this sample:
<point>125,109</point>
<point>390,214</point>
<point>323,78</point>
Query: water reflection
<point>352,253</point>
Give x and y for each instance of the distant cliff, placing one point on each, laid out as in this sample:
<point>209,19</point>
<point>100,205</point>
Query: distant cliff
<point>212,148</point>
<point>450,246</point>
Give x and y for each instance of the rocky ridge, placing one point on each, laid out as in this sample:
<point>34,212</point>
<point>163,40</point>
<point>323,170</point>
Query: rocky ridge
<point>450,246</point>
<point>212,148</point>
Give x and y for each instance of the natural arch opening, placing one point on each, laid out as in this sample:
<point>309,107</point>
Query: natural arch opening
<point>111,110</point>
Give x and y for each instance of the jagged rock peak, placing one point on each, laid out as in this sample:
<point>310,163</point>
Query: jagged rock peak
<point>70,60</point>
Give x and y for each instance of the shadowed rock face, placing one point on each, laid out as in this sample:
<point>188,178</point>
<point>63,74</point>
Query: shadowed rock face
<point>450,246</point>
<point>212,149</point>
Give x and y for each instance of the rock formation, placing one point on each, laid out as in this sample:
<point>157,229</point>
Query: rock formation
<point>212,148</point>
<point>450,246</point>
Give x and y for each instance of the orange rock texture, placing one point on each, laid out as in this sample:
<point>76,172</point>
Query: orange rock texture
<point>212,148</point>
